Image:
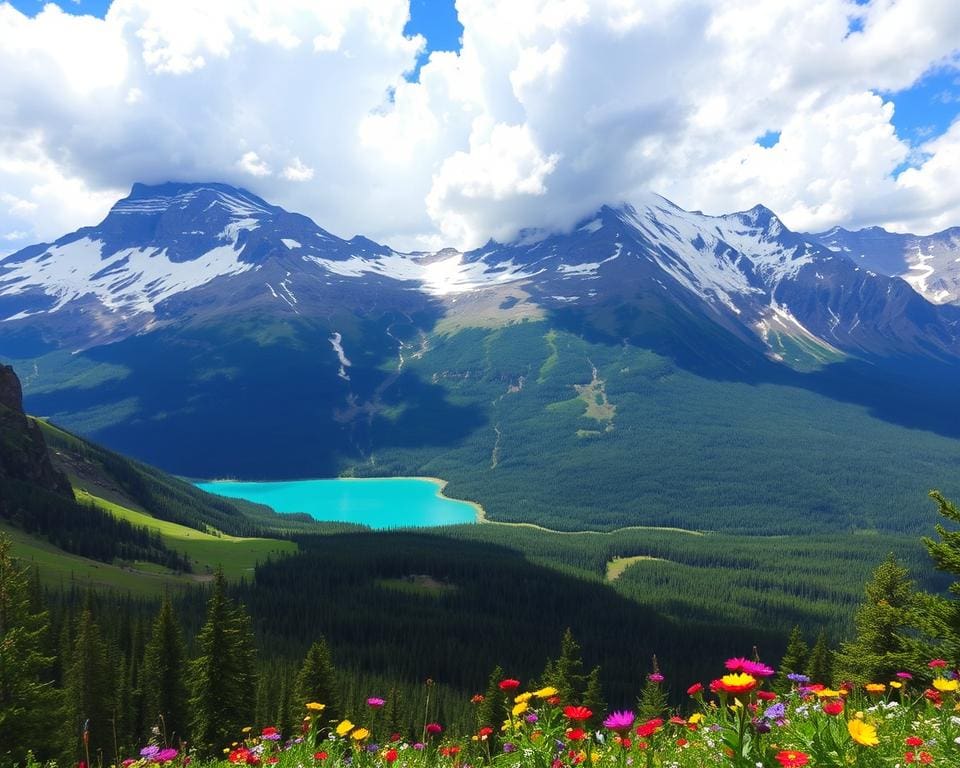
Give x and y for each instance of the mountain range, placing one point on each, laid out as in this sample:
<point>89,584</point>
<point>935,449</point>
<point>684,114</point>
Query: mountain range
<point>205,330</point>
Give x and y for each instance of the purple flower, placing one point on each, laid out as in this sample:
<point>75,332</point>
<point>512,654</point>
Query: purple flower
<point>619,721</point>
<point>796,677</point>
<point>775,712</point>
<point>165,755</point>
<point>509,747</point>
<point>418,746</point>
<point>655,677</point>
<point>531,718</point>
<point>373,747</point>
<point>376,702</point>
<point>149,751</point>
<point>760,726</point>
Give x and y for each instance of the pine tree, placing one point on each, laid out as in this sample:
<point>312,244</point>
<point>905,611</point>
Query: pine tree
<point>89,691</point>
<point>162,681</point>
<point>318,681</point>
<point>27,700</point>
<point>941,617</point>
<point>593,697</point>
<point>491,712</point>
<point>820,664</point>
<point>223,680</point>
<point>565,673</point>
<point>881,648</point>
<point>653,701</point>
<point>794,659</point>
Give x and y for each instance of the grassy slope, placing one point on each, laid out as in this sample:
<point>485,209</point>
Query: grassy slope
<point>236,554</point>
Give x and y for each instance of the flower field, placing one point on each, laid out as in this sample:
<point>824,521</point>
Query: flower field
<point>736,720</point>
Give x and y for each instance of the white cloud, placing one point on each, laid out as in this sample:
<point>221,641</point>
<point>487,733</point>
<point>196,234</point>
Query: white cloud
<point>571,104</point>
<point>252,164</point>
<point>297,171</point>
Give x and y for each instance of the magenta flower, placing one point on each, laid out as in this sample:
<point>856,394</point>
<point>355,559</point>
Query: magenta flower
<point>434,729</point>
<point>753,668</point>
<point>376,702</point>
<point>621,722</point>
<point>904,675</point>
<point>655,677</point>
<point>165,755</point>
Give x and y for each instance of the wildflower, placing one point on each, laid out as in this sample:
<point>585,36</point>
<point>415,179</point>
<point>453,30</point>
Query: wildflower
<point>577,713</point>
<point>647,729</point>
<point>945,686</point>
<point>390,755</point>
<point>478,698</point>
<point>545,693</point>
<point>896,684</point>
<point>149,751</point>
<point>875,688</point>
<point>937,663</point>
<point>775,712</point>
<point>790,758</point>
<point>833,708</point>
<point>766,695</point>
<point>522,698</point>
<point>753,668</point>
<point>485,732</point>
<point>739,682</point>
<point>321,755</point>
<point>655,677</point>
<point>573,734</point>
<point>344,728</point>
<point>509,684</point>
<point>904,675</point>
<point>519,709</point>
<point>434,729</point>
<point>826,693</point>
<point>375,702</point>
<point>316,706</point>
<point>165,755</point>
<point>531,717</point>
<point>694,689</point>
<point>270,733</point>
<point>796,677</point>
<point>621,722</point>
<point>913,741</point>
<point>360,734</point>
<point>863,733</point>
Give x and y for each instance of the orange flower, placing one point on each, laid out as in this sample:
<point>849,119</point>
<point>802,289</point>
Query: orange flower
<point>738,682</point>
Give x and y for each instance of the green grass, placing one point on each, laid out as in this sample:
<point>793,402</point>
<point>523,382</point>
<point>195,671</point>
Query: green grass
<point>206,550</point>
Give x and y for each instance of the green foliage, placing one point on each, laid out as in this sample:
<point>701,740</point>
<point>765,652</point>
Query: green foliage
<point>881,647</point>
<point>653,701</point>
<point>317,681</point>
<point>27,697</point>
<point>794,659</point>
<point>89,693</point>
<point>565,673</point>
<point>163,683</point>
<point>820,663</point>
<point>222,675</point>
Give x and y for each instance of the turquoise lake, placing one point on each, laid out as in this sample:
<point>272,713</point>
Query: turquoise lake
<point>377,502</point>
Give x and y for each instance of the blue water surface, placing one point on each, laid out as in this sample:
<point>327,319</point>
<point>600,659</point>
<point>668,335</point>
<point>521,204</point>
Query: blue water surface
<point>377,502</point>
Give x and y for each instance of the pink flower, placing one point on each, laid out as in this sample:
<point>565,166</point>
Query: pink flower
<point>621,722</point>
<point>752,668</point>
<point>375,702</point>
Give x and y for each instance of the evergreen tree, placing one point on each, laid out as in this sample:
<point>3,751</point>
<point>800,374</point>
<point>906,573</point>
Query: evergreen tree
<point>820,664</point>
<point>162,681</point>
<point>941,617</point>
<point>89,692</point>
<point>593,697</point>
<point>318,681</point>
<point>223,681</point>
<point>492,710</point>
<point>565,673</point>
<point>794,659</point>
<point>881,647</point>
<point>27,699</point>
<point>653,700</point>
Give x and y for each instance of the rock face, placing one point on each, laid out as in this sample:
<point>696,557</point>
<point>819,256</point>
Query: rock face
<point>23,451</point>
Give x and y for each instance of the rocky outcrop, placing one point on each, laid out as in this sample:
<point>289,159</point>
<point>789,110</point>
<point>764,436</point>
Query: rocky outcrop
<point>23,451</point>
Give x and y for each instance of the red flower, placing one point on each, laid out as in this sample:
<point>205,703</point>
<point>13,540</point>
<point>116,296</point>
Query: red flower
<point>553,701</point>
<point>485,732</point>
<point>576,734</point>
<point>790,758</point>
<point>649,728</point>
<point>320,755</point>
<point>833,708</point>
<point>937,664</point>
<point>766,695</point>
<point>477,698</point>
<point>390,755</point>
<point>272,760</point>
<point>913,741</point>
<point>926,758</point>
<point>682,742</point>
<point>577,713</point>
<point>909,757</point>
<point>269,731</point>
<point>509,684</point>
<point>694,689</point>
<point>434,729</point>
<point>675,720</point>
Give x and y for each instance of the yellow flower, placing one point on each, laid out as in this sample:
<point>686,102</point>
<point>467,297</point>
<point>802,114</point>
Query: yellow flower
<point>595,755</point>
<point>875,687</point>
<point>523,697</point>
<point>246,729</point>
<point>316,706</point>
<point>519,709</point>
<point>360,734</point>
<point>863,733</point>
<point>344,728</point>
<point>545,693</point>
<point>827,693</point>
<point>896,684</point>
<point>944,685</point>
<point>695,718</point>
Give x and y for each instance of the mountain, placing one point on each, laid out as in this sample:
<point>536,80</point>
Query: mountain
<point>650,366</point>
<point>930,263</point>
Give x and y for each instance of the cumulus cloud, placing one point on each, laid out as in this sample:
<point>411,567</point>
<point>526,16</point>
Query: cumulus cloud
<point>534,123</point>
